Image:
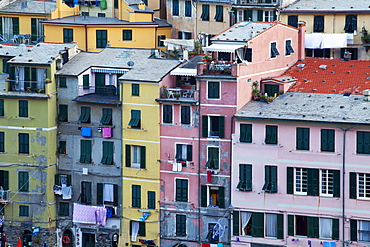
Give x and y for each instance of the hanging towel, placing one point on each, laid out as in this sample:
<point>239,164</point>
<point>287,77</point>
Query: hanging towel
<point>66,192</point>
<point>107,132</point>
<point>101,216</point>
<point>174,166</point>
<point>209,176</point>
<point>86,131</point>
<point>179,167</point>
<point>84,214</point>
<point>134,230</point>
<point>103,4</point>
<point>109,212</point>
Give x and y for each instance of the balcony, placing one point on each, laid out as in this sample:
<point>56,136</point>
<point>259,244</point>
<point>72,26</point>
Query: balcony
<point>226,69</point>
<point>8,38</point>
<point>4,196</point>
<point>107,90</point>
<point>257,2</point>
<point>26,86</point>
<point>182,94</point>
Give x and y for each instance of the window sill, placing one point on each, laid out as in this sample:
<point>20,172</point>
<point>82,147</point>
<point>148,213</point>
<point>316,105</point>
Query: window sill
<point>137,129</point>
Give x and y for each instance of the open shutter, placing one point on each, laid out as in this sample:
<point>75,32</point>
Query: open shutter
<point>336,183</point>
<point>69,180</point>
<point>258,225</point>
<point>313,182</point>
<point>128,155</point>
<point>33,29</point>
<point>115,194</point>
<point>353,229</point>
<point>57,179</point>
<point>291,225</point>
<point>99,194</point>
<point>221,197</point>
<point>216,155</point>
<point>248,177</point>
<point>189,152</point>
<point>204,126</point>
<point>259,15</point>
<point>274,179</point>
<point>352,185</point>
<point>6,180</point>
<point>335,229</point>
<point>312,227</point>
<point>236,223</point>
<point>142,157</point>
<point>280,226</point>
<point>289,181</point>
<point>221,126</point>
<point>267,178</point>
<point>203,195</point>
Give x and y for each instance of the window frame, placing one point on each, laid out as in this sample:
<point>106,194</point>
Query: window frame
<point>216,160</point>
<point>62,147</point>
<point>274,52</point>
<point>185,115</point>
<point>206,196</point>
<point>24,211</point>
<point>127,35</point>
<point>23,143</point>
<point>2,142</point>
<point>180,230</point>
<point>318,23</point>
<point>288,47</point>
<point>303,174</point>
<point>189,153</point>
<point>303,143</point>
<point>363,147</point>
<point>211,90</point>
<point>210,131</point>
<point>129,156</point>
<point>181,190</point>
<point>67,35</point>
<point>366,181</point>
<point>167,115</point>
<point>86,192</point>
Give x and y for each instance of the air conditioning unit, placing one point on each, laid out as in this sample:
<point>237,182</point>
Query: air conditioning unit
<point>59,63</point>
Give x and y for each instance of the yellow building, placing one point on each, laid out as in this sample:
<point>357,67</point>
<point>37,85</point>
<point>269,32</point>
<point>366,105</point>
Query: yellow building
<point>141,151</point>
<point>28,135</point>
<point>333,28</point>
<point>129,24</point>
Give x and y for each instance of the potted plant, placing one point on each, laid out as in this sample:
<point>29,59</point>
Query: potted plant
<point>207,58</point>
<point>164,92</point>
<point>365,36</point>
<point>176,95</point>
<point>47,80</point>
<point>41,90</point>
<point>227,70</point>
<point>255,91</point>
<point>281,92</point>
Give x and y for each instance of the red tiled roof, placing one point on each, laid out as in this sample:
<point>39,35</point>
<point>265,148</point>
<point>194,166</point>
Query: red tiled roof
<point>338,77</point>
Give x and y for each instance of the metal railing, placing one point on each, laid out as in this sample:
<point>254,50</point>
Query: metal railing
<point>107,90</point>
<point>26,86</point>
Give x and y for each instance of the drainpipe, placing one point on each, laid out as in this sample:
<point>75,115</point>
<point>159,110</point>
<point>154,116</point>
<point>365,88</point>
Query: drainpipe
<point>231,168</point>
<point>199,134</point>
<point>87,48</point>
<point>343,179</point>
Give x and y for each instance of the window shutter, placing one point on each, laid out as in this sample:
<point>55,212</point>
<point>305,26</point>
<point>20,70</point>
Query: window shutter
<point>142,157</point>
<point>221,197</point>
<point>312,227</point>
<point>34,29</point>
<point>15,25</point>
<point>248,177</point>
<point>88,193</point>
<point>353,229</point>
<point>203,195</point>
<point>151,199</point>
<point>289,181</point>
<point>258,224</point>
<point>69,180</point>
<point>280,226</point>
<point>267,178</point>
<point>1,25</point>
<point>99,194</point>
<point>260,15</point>
<point>6,180</point>
<point>274,179</point>
<point>335,229</point>
<point>336,183</point>
<point>57,179</point>
<point>221,126</point>
<point>189,152</point>
<point>115,194</point>
<point>313,182</point>
<point>352,185</point>
<point>204,126</point>
<point>142,229</point>
<point>236,223</point>
<point>1,107</point>
<point>291,225</point>
<point>86,81</point>
<point>128,156</point>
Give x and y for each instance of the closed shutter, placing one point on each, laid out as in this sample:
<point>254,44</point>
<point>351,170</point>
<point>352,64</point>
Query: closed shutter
<point>15,25</point>
<point>86,81</point>
<point>248,15</point>
<point>258,224</point>
<point>27,77</point>
<point>302,139</point>
<point>57,179</point>
<point>271,134</point>
<point>142,157</point>
<point>69,180</point>
<point>33,29</point>
<point>327,140</point>
<point>101,38</point>
<point>6,180</point>
<point>248,177</point>
<point>136,196</point>
<point>151,199</point>
<point>280,226</point>
<point>128,155</point>
<point>99,194</point>
<point>221,126</point>
<point>336,183</point>
<point>291,225</point>
<point>335,229</point>
<point>352,185</point>
<point>204,126</point>
<point>236,223</point>
<point>2,142</point>
<point>167,113</point>
<point>203,195</point>
<point>313,182</point>
<point>259,15</point>
<point>88,192</point>
<point>266,187</point>
<point>221,197</point>
<point>312,227</point>
<point>293,20</point>
<point>290,179</point>
<point>23,140</point>
<point>115,195</point>
<point>353,230</point>
<point>245,133</point>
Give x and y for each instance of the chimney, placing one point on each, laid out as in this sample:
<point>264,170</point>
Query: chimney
<point>366,94</point>
<point>301,39</point>
<point>141,5</point>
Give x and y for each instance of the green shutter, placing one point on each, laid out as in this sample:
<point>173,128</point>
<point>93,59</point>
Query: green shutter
<point>2,142</point>
<point>290,179</point>
<point>63,82</point>
<point>336,183</point>
<point>86,81</point>
<point>203,195</point>
<point>335,229</point>
<point>353,229</point>
<point>352,185</point>
<point>280,226</point>
<point>204,126</point>
<point>85,114</point>
<point>245,133</point>
<point>248,176</point>
<point>63,113</point>
<point>267,179</point>
<point>33,29</point>
<point>23,183</point>
<point>1,26</point>
<point>6,180</point>
<point>313,186</point>
<point>221,126</point>
<point>271,134</point>
<point>221,197</point>
<point>107,116</point>
<point>136,196</point>
<point>258,224</point>
<point>23,140</point>
<point>259,15</point>
<point>101,38</point>
<point>302,138</point>
<point>85,153</point>
<point>189,152</point>
<point>88,192</point>
<point>327,140</point>
<point>107,158</point>
<point>12,73</point>
<point>274,187</point>
<point>236,223</point>
<point>128,155</point>
<point>57,179</point>
<point>27,78</point>
<point>312,227</point>
<point>142,157</point>
<point>23,108</point>
<point>69,180</point>
<point>115,195</point>
<point>135,89</point>
<point>291,225</point>
<point>1,107</point>
<point>15,25</point>
<point>151,199</point>
<point>99,194</point>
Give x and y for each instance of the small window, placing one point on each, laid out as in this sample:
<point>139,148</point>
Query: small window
<point>101,14</point>
<point>63,81</point>
<point>6,65</point>
<point>86,193</point>
<point>175,7</point>
<point>213,161</point>
<point>68,35</point>
<point>108,151</point>
<point>151,200</point>
<point>63,209</point>
<point>140,229</point>
<point>288,48</point>
<point>245,133</point>
<point>85,114</point>
<point>167,114</point>
<point>303,139</point>
<point>185,115</point>
<point>135,121</point>
<point>245,177</point>
<point>24,210</point>
<point>318,25</point>
<point>205,12</point>
<point>135,89</point>
<point>62,147</point>
<point>23,142</point>
<point>184,153</point>
<point>135,156</point>
<point>84,13</point>
<point>180,225</point>
<point>212,196</point>
<point>327,140</point>
<point>219,17</point>
<point>161,39</point>
<point>293,20</point>
<point>363,142</point>
<point>101,38</point>
<point>85,152</point>
<point>188,8</point>
<point>2,142</point>
<point>63,113</point>
<point>182,190</point>
<point>106,118</point>
<point>351,23</point>
<point>23,108</point>
<point>274,50</point>
<point>127,35</point>
<point>270,179</point>
<point>271,134</point>
<point>1,107</point>
<point>213,126</point>
<point>213,90</point>
<point>136,196</point>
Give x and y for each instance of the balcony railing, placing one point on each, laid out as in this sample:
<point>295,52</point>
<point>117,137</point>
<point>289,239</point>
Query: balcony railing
<point>107,90</point>
<point>218,69</point>
<point>257,2</point>
<point>4,196</point>
<point>178,94</point>
<point>26,86</point>
<point>20,38</point>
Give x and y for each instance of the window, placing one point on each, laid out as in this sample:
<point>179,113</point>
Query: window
<point>85,114</point>
<point>188,8</point>
<point>303,139</point>
<point>269,16</point>
<point>101,38</point>
<point>313,227</point>
<point>293,20</point>
<point>363,185</point>
<point>270,179</point>
<point>205,12</point>
<point>107,158</point>
<point>161,38</point>
<point>61,179</point>
<point>23,108</point>
<point>184,35</point>
<point>63,209</point>
<point>4,179</point>
<point>67,35</point>
<point>167,114</point>
<point>245,133</point>
<point>185,115</point>
<point>62,147</point>
<point>212,196</point>
<point>180,225</point>
<point>213,90</point>
<point>211,236</point>
<point>300,179</point>
<point>184,153</point>
<point>2,142</point>
<point>12,29</point>
<point>1,107</point>
<point>181,190</point>
<point>24,210</point>
<point>271,89</point>
<point>271,225</point>
<point>327,140</point>
<point>318,25</point>
<point>85,153</point>
<point>86,81</point>
<point>135,156</point>
<point>245,177</point>
<point>85,13</point>
<point>23,181</point>
<point>151,200</point>
<point>136,196</point>
<point>213,161</point>
<point>363,142</point>
<point>219,13</point>
<point>360,230</point>
<point>127,35</point>
<point>62,82</point>
<point>23,142</point>
<point>86,192</point>
<point>37,29</point>
<point>135,121</point>
<point>106,118</point>
<point>213,126</point>
<point>288,47</point>
<point>63,113</point>
<point>107,194</point>
<point>6,65</point>
<point>137,228</point>
<point>101,14</point>
<point>327,182</point>
<point>271,134</point>
<point>274,50</point>
<point>175,7</point>
<point>351,23</point>
<point>135,89</point>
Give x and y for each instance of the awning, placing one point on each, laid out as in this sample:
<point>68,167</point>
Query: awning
<point>327,40</point>
<point>109,71</point>
<point>223,47</point>
<point>184,72</point>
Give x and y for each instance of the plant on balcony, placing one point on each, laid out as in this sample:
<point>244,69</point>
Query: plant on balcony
<point>41,90</point>
<point>164,92</point>
<point>255,91</point>
<point>47,80</point>
<point>176,95</point>
<point>207,58</point>
<point>227,70</point>
<point>365,36</point>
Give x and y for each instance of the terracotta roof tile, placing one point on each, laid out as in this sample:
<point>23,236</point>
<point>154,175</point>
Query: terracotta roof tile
<point>337,77</point>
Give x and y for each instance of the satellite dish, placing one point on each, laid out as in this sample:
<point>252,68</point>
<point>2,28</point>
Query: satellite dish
<point>130,63</point>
